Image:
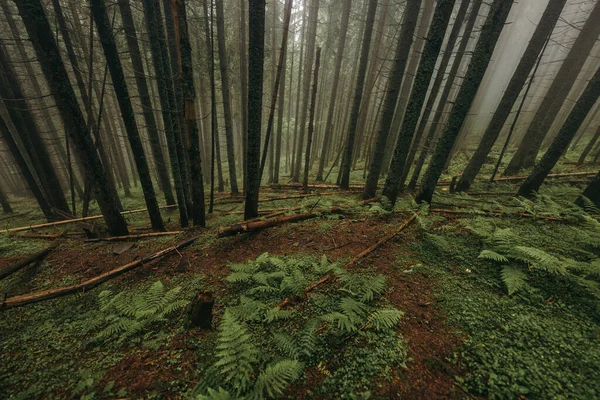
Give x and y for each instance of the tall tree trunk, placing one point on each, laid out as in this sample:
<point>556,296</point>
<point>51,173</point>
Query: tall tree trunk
<point>429,139</point>
<point>224,67</point>
<point>435,87</point>
<point>161,71</point>
<point>256,54</point>
<point>6,208</point>
<point>310,54</point>
<point>409,21</point>
<point>38,28</point>
<point>554,99</point>
<point>563,139</point>
<point>435,37</point>
<point>142,87</point>
<point>481,58</point>
<point>98,9</point>
<point>244,85</point>
<point>362,70</point>
<point>298,88</point>
<point>189,95</point>
<point>589,147</point>
<point>311,121</point>
<point>280,110</point>
<point>592,192</point>
<point>532,52</point>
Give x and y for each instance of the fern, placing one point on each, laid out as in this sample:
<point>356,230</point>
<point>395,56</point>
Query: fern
<point>364,287</point>
<point>386,318</point>
<point>493,256</point>
<point>539,259</point>
<point>219,394</point>
<point>513,278</point>
<point>235,353</point>
<point>276,377</point>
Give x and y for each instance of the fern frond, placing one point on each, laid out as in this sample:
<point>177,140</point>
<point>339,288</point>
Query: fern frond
<point>341,321</point>
<point>238,277</point>
<point>278,376</point>
<point>352,308</point>
<point>538,258</point>
<point>219,394</point>
<point>385,318</point>
<point>276,313</point>
<point>286,344</point>
<point>514,278</point>
<point>493,256</point>
<point>363,286</point>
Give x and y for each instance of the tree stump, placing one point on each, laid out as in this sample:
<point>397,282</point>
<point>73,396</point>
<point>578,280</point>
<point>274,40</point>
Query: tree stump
<point>200,311</point>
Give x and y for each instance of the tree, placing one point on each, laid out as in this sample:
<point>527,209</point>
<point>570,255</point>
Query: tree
<point>589,147</point>
<point>244,85</point>
<point>162,73</point>
<point>224,67</point>
<point>435,37</point>
<point>311,121</point>
<point>360,80</point>
<point>532,53</point>
<point>592,192</point>
<point>256,53</point>
<point>481,58</point>
<point>526,154</point>
<point>148,112</point>
<point>409,21</point>
<point>563,139</point>
<point>6,208</point>
<point>327,137</point>
<point>191,127</point>
<point>442,102</point>
<point>42,38</point>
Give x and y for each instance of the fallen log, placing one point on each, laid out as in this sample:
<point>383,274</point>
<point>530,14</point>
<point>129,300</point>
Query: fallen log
<point>42,235</point>
<point>316,186</point>
<point>6,271</point>
<point>254,226</point>
<point>18,301</point>
<point>70,221</point>
<point>358,257</point>
<point>132,237</point>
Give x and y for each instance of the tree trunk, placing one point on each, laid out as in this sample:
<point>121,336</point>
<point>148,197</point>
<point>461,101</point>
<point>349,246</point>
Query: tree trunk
<point>481,58</point>
<point>244,85</point>
<point>161,71</point>
<point>224,67</point>
<point>142,87</point>
<point>563,139</point>
<point>429,139</point>
<point>311,121</point>
<point>38,28</point>
<point>409,21</point>
<point>362,70</point>
<point>554,99</point>
<point>4,202</point>
<point>308,63</point>
<point>435,37</point>
<point>589,147</point>
<point>592,192</point>
<point>543,30</point>
<point>256,53</point>
<point>189,95</point>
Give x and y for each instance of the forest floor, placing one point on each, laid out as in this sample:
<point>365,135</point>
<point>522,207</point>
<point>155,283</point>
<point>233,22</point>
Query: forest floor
<point>462,334</point>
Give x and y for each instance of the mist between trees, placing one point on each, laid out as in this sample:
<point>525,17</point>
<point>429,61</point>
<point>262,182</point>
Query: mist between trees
<point>188,98</point>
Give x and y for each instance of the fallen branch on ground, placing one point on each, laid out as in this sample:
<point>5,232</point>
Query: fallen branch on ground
<point>254,226</point>
<point>19,301</point>
<point>70,221</point>
<point>133,237</point>
<point>6,271</point>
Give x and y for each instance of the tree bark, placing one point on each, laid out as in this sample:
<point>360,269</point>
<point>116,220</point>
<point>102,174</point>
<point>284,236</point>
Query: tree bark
<point>405,40</point>
<point>563,139</point>
<point>592,192</point>
<point>435,37</point>
<point>362,70</point>
<point>481,57</point>
<point>311,121</point>
<point>256,52</point>
<point>45,47</point>
<point>244,85</point>
<point>532,52</point>
<point>526,154</point>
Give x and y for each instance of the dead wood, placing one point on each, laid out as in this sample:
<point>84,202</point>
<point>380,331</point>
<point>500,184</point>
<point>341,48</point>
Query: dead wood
<point>23,300</point>
<point>133,237</point>
<point>6,271</point>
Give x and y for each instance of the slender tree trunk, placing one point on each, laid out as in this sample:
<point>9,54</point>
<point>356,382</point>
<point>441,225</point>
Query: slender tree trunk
<point>435,37</point>
<point>589,147</point>
<point>280,111</point>
<point>158,51</point>
<point>189,95</point>
<point>224,67</point>
<point>362,70</point>
<point>563,139</point>
<point>429,139</point>
<point>310,54</point>
<point>481,58</point>
<point>532,52</point>
<point>142,87</point>
<point>256,53</point>
<point>526,154</point>
<point>98,8</point>
<point>38,28</point>
<point>409,21</point>
<point>311,121</point>
<point>298,88</point>
<point>592,192</point>
<point>6,208</point>
<point>244,85</point>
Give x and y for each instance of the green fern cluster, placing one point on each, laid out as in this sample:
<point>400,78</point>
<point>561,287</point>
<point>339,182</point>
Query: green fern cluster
<point>261,348</point>
<point>127,314</point>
